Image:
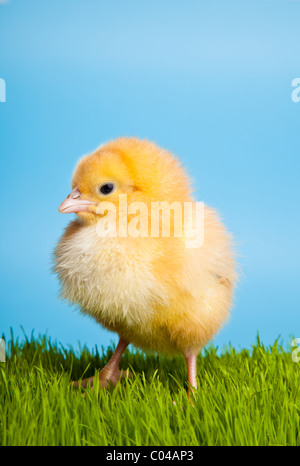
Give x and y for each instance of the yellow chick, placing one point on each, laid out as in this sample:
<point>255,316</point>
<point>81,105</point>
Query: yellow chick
<point>128,264</point>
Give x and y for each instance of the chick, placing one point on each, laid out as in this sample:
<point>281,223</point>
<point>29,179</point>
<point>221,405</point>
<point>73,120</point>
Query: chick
<point>156,291</point>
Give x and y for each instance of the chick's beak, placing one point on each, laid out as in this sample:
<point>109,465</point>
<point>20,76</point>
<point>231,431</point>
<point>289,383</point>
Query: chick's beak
<point>74,203</point>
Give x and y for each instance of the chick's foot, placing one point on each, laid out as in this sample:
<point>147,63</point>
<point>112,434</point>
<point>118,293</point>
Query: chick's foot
<point>110,372</point>
<point>106,376</point>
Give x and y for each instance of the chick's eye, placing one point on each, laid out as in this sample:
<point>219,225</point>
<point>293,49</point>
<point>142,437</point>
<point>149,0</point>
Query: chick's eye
<point>107,188</point>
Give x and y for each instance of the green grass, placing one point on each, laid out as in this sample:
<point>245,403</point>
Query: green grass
<point>244,398</point>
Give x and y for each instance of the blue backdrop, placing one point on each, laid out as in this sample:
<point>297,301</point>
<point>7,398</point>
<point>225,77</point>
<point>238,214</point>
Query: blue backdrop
<point>209,80</point>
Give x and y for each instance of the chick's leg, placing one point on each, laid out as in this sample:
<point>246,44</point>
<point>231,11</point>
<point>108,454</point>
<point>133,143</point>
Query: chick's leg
<point>111,371</point>
<point>191,362</point>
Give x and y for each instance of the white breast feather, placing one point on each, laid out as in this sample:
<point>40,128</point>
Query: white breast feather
<point>104,278</point>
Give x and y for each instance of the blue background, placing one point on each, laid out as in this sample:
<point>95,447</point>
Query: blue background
<point>209,80</point>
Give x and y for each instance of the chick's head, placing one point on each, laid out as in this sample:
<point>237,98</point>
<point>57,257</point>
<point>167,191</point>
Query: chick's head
<point>130,166</point>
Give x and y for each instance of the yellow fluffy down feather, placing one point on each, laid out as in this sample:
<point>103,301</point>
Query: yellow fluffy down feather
<point>155,292</point>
